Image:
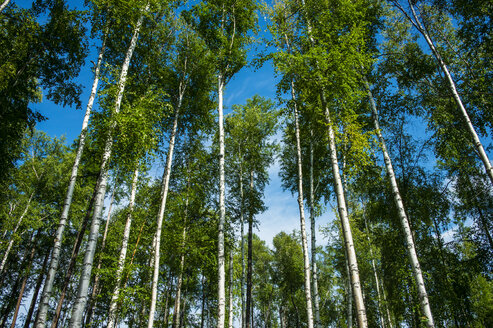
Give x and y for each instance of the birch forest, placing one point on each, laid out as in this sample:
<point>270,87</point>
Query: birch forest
<point>371,136</point>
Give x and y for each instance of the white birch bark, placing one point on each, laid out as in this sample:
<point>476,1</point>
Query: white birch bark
<point>346,228</point>
<point>453,89</point>
<point>123,254</point>
<point>4,4</point>
<point>230,317</point>
<point>375,274</point>
<point>221,309</point>
<point>306,259</point>
<point>242,232</point>
<point>162,207</point>
<point>11,241</point>
<point>315,298</point>
<point>411,249</point>
<point>341,204</point>
<point>95,287</point>
<point>81,299</point>
<point>55,257</point>
<point>179,283</point>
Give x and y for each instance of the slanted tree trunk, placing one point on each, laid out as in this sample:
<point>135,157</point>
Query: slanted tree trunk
<point>55,258</point>
<point>24,281</point>
<point>349,296</point>
<point>221,276</point>
<point>123,254</point>
<point>95,287</point>
<point>12,237</point>
<point>162,207</point>
<point>411,248</point>
<point>315,297</point>
<point>341,204</point>
<point>73,260</point>
<point>81,299</point>
<point>453,89</point>
<point>4,4</point>
<point>37,288</point>
<point>346,228</point>
<point>304,242</point>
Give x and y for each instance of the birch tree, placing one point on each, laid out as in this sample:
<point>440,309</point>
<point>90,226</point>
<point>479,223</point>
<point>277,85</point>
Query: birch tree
<point>225,26</point>
<point>80,303</point>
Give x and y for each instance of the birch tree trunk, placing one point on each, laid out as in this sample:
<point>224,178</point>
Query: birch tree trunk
<point>341,204</point>
<point>453,89</point>
<point>411,249</point>
<point>249,305</point>
<point>73,260</point>
<point>4,4</point>
<point>242,232</point>
<point>377,282</point>
<point>123,254</point>
<point>346,228</point>
<point>81,299</point>
<point>11,241</point>
<point>221,309</point>
<point>37,288</point>
<point>95,287</point>
<point>304,242</point>
<point>24,281</point>
<point>55,257</point>
<point>179,283</point>
<point>316,306</point>
<point>230,317</point>
<point>162,207</point>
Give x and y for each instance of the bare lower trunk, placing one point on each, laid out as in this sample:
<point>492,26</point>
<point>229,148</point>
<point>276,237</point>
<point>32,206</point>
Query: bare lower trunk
<point>24,281</point>
<point>179,283</point>
<point>411,249</point>
<point>123,254</point>
<point>316,306</point>
<point>349,295</point>
<point>81,299</point>
<point>221,308</point>
<point>11,242</point>
<point>230,316</point>
<point>249,306</point>
<point>242,232</point>
<point>162,207</point>
<point>377,282</point>
<point>55,258</point>
<point>346,228</point>
<point>95,287</point>
<point>73,260</point>
<point>304,242</point>
<point>39,281</point>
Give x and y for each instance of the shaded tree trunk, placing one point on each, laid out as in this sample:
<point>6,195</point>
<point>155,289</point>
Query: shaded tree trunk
<point>95,287</point>
<point>73,260</point>
<point>162,207</point>
<point>55,258</point>
<point>301,207</point>
<point>37,288</point>
<point>123,253</point>
<point>230,316</point>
